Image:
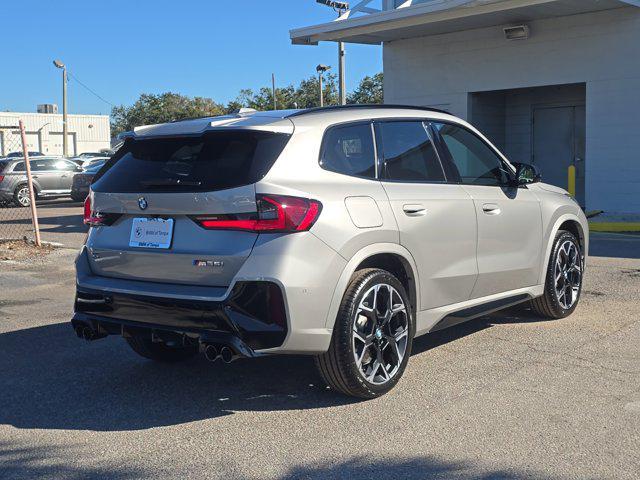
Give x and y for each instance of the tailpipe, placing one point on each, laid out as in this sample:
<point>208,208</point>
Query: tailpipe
<point>228,355</point>
<point>85,332</point>
<point>211,353</point>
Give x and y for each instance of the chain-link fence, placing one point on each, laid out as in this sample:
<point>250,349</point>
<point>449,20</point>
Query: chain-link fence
<point>16,215</point>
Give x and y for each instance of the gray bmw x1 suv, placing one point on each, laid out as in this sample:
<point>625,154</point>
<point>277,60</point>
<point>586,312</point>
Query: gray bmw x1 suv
<point>341,232</point>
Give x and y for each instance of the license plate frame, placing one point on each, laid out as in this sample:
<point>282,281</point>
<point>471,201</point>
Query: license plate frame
<point>151,232</point>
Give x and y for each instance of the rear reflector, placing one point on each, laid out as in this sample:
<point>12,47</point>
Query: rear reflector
<point>94,219</point>
<point>275,214</point>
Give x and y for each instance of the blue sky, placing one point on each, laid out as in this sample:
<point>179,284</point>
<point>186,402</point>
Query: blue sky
<point>121,48</point>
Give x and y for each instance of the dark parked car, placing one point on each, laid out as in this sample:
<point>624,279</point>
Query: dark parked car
<point>52,177</point>
<point>82,181</point>
<point>20,154</point>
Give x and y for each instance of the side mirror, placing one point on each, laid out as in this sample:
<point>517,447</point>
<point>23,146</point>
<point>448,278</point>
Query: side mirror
<point>527,174</point>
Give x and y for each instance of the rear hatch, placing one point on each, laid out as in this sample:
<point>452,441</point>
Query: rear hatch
<point>149,197</point>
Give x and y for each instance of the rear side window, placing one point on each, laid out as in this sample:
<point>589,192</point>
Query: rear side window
<point>408,152</point>
<point>348,149</point>
<point>19,167</point>
<point>43,165</point>
<point>213,161</point>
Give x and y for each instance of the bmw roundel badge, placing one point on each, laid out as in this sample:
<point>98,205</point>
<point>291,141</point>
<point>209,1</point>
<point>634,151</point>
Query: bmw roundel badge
<point>142,203</point>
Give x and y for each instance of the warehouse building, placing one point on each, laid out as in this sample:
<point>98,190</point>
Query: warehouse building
<point>555,83</point>
<point>86,133</point>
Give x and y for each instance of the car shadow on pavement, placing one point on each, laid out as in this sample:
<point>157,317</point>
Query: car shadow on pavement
<point>28,462</point>
<point>53,380</point>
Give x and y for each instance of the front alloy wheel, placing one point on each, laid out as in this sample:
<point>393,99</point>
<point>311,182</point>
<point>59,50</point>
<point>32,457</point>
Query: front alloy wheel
<point>564,277</point>
<point>568,274</point>
<point>372,336</point>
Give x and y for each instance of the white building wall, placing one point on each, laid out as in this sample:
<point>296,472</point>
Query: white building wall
<point>600,49</point>
<point>87,133</point>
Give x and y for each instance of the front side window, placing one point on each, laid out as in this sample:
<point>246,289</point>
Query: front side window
<point>348,149</point>
<point>408,152</point>
<point>66,166</point>
<point>475,161</point>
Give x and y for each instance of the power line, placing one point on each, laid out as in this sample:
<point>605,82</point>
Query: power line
<point>89,89</point>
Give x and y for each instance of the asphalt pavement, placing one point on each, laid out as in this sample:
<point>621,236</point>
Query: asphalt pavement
<point>507,396</point>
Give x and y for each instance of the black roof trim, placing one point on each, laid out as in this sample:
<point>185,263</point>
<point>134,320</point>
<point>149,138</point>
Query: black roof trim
<point>364,106</point>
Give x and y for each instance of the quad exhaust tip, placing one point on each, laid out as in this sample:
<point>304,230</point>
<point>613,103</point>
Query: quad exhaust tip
<point>227,355</point>
<point>211,353</point>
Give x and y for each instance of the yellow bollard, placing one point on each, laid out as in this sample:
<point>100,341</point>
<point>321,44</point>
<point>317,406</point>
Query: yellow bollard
<point>572,180</point>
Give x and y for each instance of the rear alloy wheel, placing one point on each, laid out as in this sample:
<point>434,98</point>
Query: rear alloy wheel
<point>21,196</point>
<point>161,352</point>
<point>372,337</point>
<point>564,279</point>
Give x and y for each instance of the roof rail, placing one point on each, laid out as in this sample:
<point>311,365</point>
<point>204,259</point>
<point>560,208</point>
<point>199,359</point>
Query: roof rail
<point>356,106</point>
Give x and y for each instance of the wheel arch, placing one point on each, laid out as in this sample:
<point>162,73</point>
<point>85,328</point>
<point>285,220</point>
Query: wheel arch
<point>25,183</point>
<point>388,256</point>
<point>571,223</point>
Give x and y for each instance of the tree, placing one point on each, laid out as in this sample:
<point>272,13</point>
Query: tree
<point>165,107</point>
<point>305,95</point>
<point>369,91</point>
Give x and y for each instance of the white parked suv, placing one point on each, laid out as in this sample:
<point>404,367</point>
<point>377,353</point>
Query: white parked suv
<point>340,232</point>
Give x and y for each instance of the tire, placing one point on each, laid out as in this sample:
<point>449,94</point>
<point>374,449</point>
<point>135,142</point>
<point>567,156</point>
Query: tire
<point>161,352</point>
<point>563,282</point>
<point>21,196</point>
<point>349,366</point>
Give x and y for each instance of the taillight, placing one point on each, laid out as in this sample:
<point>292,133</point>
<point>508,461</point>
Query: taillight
<point>91,218</point>
<point>1,178</point>
<point>275,214</point>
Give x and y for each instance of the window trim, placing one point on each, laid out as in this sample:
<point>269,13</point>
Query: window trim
<point>351,123</point>
<point>426,124</point>
<point>445,150</point>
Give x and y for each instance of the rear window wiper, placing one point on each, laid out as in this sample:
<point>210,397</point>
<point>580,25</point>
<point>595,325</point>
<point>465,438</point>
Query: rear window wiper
<point>170,182</point>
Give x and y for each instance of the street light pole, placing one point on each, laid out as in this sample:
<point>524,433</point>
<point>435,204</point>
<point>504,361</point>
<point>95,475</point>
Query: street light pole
<point>65,125</point>
<point>321,69</point>
<point>340,8</point>
<point>341,74</point>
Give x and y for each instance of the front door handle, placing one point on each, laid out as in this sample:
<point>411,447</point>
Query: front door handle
<point>491,209</point>
<point>414,210</point>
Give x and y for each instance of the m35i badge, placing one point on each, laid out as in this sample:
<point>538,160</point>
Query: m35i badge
<point>208,263</point>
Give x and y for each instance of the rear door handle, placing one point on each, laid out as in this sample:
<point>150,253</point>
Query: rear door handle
<point>414,210</point>
<point>491,209</point>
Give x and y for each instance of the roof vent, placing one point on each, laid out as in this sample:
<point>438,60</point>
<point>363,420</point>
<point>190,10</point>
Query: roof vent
<point>517,32</point>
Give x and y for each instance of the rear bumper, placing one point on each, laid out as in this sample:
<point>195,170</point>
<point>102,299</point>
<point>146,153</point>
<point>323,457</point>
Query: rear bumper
<point>252,317</point>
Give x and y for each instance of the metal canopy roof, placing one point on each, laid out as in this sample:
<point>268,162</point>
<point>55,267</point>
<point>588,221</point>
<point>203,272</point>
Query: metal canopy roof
<point>443,16</point>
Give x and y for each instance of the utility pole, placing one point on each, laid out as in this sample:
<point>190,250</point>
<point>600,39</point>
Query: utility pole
<point>321,69</point>
<point>273,91</point>
<point>65,124</point>
<point>340,8</point>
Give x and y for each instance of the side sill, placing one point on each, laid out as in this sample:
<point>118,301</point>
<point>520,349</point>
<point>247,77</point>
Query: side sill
<point>476,311</point>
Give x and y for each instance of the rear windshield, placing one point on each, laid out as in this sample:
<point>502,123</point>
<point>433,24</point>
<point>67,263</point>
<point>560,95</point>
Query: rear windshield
<point>213,161</point>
